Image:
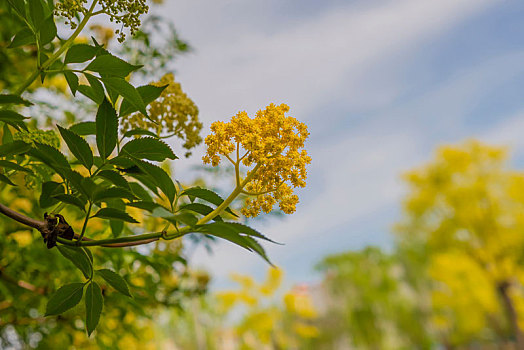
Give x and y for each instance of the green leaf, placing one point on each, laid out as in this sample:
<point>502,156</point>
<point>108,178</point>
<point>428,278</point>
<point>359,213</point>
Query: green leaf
<point>200,209</point>
<point>146,205</point>
<point>117,226</point>
<point>88,91</point>
<point>148,148</point>
<point>49,189</point>
<point>24,37</point>
<point>65,298</point>
<point>257,248</point>
<point>115,214</point>
<point>15,99</point>
<point>84,128</point>
<point>140,191</point>
<point>159,177</point>
<point>13,148</point>
<point>78,257</point>
<point>186,218</point>
<point>7,137</point>
<point>55,155</point>
<point>72,81</point>
<point>114,280</point>
<point>140,131</point>
<point>149,93</point>
<point>111,65</point>
<point>13,166</point>
<point>106,129</point>
<point>18,6</point>
<point>77,181</point>
<point>207,195</point>
<point>114,178</point>
<point>12,118</point>
<point>6,115</point>
<point>80,53</point>
<point>228,232</point>
<point>241,228</point>
<point>51,157</point>
<point>126,90</point>
<point>36,12</point>
<point>47,30</point>
<point>70,199</point>
<point>5,179</point>
<point>112,192</point>
<point>94,304</point>
<point>78,146</point>
<point>96,88</point>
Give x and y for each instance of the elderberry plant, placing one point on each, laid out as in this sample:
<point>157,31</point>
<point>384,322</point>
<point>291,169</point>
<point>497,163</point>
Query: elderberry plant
<point>113,167</point>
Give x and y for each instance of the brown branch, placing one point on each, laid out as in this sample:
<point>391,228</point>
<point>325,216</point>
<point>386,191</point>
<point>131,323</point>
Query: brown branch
<point>42,226</point>
<point>21,218</point>
<point>5,304</point>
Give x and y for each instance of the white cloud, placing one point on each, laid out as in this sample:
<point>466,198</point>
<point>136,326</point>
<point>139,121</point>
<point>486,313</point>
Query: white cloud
<point>308,64</point>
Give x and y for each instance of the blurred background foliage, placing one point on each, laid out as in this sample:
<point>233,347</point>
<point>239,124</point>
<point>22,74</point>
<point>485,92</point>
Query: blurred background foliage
<point>453,279</point>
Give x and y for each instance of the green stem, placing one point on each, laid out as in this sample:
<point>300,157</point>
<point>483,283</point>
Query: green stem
<point>238,189</point>
<point>127,239</point>
<point>58,53</point>
<point>85,223</point>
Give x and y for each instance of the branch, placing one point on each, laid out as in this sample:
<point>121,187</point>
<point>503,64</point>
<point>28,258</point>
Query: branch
<point>117,243</point>
<point>21,218</point>
<point>21,284</point>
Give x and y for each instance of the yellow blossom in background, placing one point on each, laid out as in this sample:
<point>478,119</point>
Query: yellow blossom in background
<point>23,238</point>
<point>247,282</point>
<point>81,39</point>
<point>267,324</point>
<point>172,114</point>
<point>273,281</point>
<point>272,143</point>
<point>103,34</point>
<point>299,302</point>
<point>462,314</point>
<point>306,330</point>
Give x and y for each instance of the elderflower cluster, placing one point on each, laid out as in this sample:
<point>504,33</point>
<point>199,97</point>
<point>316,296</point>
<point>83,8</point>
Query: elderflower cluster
<point>125,12</point>
<point>271,142</point>
<point>173,113</point>
<point>69,9</point>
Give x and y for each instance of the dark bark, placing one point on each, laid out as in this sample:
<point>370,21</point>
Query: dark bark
<point>511,312</point>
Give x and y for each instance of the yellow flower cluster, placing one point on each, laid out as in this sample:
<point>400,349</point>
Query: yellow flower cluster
<point>271,142</point>
<point>173,113</point>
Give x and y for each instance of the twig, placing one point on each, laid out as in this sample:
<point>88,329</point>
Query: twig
<point>20,283</point>
<point>21,218</point>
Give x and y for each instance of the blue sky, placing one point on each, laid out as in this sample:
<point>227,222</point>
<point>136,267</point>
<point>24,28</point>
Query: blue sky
<point>380,84</point>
